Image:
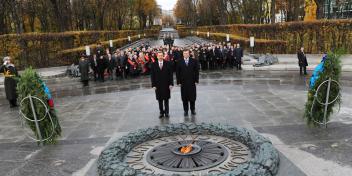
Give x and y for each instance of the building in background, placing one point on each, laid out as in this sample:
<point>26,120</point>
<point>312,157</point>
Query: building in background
<point>158,19</point>
<point>168,18</point>
<point>338,9</point>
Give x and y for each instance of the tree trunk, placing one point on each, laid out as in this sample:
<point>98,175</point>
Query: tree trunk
<point>272,11</point>
<point>17,15</point>
<point>320,8</point>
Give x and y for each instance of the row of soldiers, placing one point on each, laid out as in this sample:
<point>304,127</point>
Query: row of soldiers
<point>122,64</point>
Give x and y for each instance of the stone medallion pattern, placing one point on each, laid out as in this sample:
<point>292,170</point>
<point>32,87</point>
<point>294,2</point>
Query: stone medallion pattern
<point>228,150</point>
<point>211,154</point>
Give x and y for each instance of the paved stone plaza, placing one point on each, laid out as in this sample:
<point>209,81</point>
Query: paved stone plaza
<point>270,102</point>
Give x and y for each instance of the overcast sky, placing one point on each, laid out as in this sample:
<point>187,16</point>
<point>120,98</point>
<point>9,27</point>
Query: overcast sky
<point>166,4</point>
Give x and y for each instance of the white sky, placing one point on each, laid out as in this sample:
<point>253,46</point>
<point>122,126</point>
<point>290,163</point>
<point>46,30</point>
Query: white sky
<point>166,4</point>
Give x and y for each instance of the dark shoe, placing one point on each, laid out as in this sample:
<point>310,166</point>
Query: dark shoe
<point>185,114</point>
<point>167,115</point>
<point>161,116</point>
<point>193,113</point>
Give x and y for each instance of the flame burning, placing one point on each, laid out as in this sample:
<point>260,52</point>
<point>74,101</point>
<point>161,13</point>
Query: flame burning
<point>186,149</point>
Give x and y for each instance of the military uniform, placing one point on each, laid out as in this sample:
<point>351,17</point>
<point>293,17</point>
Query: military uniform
<point>10,73</point>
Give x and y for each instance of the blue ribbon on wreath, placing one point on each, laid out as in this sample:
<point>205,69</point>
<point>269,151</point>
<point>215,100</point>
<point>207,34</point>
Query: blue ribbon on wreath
<point>317,70</point>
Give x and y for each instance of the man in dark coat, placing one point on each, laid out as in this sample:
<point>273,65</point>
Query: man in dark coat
<point>177,57</point>
<point>94,66</point>
<point>218,57</point>
<point>230,57</point>
<point>10,72</point>
<point>111,64</point>
<point>302,61</point>
<point>120,64</point>
<point>210,56</point>
<point>238,53</point>
<point>102,65</point>
<point>203,58</point>
<point>83,66</point>
<point>187,74</point>
<point>100,50</point>
<point>162,82</point>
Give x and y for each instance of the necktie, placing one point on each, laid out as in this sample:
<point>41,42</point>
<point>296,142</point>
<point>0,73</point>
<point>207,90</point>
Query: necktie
<point>160,65</point>
<point>187,62</point>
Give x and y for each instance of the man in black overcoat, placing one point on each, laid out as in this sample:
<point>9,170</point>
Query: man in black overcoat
<point>203,58</point>
<point>94,66</point>
<point>230,57</point>
<point>238,53</point>
<point>187,74</point>
<point>162,82</point>
<point>210,58</point>
<point>83,66</point>
<point>10,73</point>
<point>102,65</point>
<point>302,61</point>
<point>111,64</point>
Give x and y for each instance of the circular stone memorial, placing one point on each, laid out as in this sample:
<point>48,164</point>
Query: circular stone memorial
<point>190,149</point>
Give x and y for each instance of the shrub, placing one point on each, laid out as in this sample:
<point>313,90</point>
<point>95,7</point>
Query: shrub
<point>41,49</point>
<point>316,36</point>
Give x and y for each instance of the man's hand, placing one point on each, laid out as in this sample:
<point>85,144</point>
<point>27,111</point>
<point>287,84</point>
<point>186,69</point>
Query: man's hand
<point>154,88</point>
<point>196,83</point>
<point>170,87</point>
<point>178,85</point>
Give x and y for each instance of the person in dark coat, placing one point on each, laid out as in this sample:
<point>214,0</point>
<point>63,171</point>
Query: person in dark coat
<point>238,53</point>
<point>120,66</point>
<point>10,73</point>
<point>211,58</point>
<point>230,57</point>
<point>100,50</point>
<point>162,82</point>
<point>302,61</point>
<point>94,66</point>
<point>187,74</point>
<point>218,57</point>
<point>101,66</point>
<point>111,64</point>
<point>203,58</point>
<point>83,66</point>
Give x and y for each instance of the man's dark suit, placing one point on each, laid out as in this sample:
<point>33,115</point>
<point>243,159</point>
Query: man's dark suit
<point>162,79</point>
<point>238,53</point>
<point>302,62</point>
<point>188,75</point>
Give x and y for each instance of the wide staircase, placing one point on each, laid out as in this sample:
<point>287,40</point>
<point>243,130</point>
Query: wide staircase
<point>168,31</point>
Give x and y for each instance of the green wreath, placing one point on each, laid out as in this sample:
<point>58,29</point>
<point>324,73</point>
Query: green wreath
<point>31,84</point>
<point>314,111</point>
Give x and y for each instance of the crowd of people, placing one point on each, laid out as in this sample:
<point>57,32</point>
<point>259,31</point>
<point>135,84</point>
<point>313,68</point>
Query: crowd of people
<point>132,62</point>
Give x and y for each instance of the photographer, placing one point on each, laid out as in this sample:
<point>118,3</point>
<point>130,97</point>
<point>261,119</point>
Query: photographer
<point>10,72</point>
